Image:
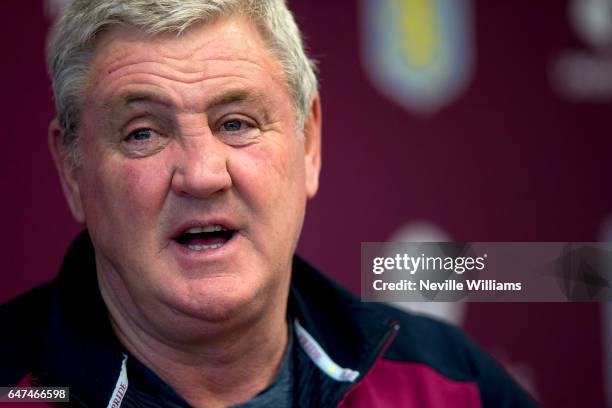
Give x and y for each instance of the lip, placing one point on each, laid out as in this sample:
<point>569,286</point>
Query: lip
<point>184,226</point>
<point>191,259</point>
<point>190,255</point>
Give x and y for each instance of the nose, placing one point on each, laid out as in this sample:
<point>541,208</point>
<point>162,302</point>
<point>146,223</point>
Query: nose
<point>201,168</point>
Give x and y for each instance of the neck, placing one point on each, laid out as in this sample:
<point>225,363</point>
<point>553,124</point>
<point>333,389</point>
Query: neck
<point>224,368</point>
<point>215,375</point>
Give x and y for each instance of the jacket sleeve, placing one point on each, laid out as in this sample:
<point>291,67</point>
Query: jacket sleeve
<point>497,388</point>
<point>447,350</point>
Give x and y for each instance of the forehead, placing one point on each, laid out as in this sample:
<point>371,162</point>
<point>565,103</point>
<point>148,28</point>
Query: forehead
<point>203,51</point>
<point>236,32</point>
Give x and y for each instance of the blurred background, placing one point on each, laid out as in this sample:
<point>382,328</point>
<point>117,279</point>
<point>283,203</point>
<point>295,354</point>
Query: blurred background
<point>461,120</point>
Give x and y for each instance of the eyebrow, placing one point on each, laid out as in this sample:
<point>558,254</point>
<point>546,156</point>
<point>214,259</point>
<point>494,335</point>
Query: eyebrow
<point>241,96</point>
<point>133,97</point>
<point>238,96</point>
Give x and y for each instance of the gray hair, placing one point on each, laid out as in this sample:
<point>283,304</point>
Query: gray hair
<point>72,44</point>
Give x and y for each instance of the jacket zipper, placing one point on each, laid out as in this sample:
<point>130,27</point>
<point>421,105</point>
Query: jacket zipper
<point>382,346</point>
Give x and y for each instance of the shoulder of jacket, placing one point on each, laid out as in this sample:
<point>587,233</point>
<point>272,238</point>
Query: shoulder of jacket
<point>447,350</point>
<point>27,303</point>
<point>24,321</point>
<point>437,344</point>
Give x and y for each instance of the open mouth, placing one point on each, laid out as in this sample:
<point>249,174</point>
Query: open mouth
<point>205,238</point>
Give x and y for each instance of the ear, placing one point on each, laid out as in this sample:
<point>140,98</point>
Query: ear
<point>312,146</point>
<point>66,170</point>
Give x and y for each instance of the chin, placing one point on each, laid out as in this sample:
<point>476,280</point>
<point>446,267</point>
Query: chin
<point>219,300</point>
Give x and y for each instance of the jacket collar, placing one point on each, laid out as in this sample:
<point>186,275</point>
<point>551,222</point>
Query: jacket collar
<point>353,333</point>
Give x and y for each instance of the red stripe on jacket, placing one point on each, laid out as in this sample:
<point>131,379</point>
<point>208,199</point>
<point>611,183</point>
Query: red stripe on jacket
<point>410,385</point>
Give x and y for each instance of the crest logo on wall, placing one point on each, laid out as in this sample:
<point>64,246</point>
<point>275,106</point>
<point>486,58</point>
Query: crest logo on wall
<point>418,53</point>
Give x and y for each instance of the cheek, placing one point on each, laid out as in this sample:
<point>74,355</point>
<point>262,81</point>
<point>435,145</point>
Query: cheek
<point>143,185</point>
<point>124,193</point>
<point>269,174</point>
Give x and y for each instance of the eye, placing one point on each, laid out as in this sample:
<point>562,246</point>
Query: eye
<point>141,135</point>
<point>233,125</point>
<point>144,142</point>
<point>238,130</point>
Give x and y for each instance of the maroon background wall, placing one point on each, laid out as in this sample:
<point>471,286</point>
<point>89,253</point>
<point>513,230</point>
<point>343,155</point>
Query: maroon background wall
<point>513,158</point>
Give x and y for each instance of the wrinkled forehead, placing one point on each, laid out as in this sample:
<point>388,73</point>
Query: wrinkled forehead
<point>229,38</point>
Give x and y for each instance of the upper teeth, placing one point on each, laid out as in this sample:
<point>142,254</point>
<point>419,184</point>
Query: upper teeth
<point>208,228</point>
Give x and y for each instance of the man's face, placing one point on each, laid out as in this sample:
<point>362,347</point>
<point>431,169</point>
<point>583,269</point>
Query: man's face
<point>193,180</point>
